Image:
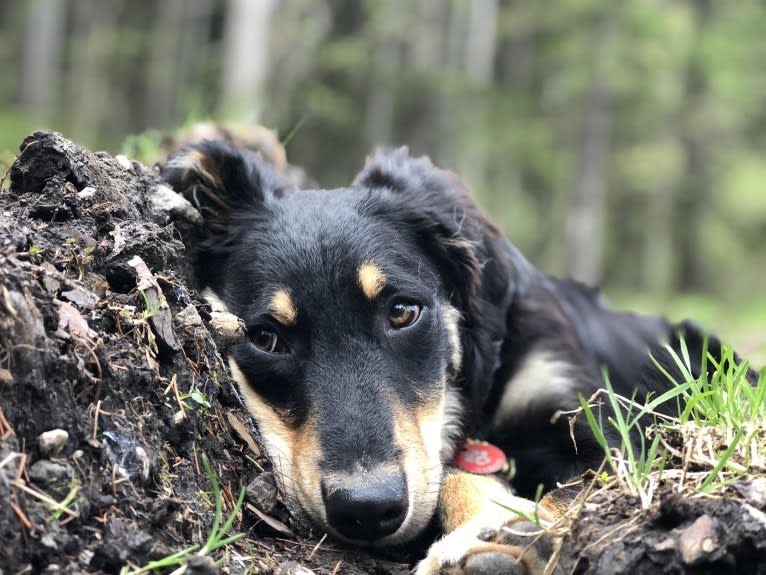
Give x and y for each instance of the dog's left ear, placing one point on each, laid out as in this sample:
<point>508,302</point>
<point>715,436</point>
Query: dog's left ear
<point>482,271</point>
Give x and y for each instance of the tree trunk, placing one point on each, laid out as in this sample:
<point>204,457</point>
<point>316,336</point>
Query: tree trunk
<point>388,22</point>
<point>90,83</point>
<point>697,142</point>
<point>585,222</point>
<point>245,58</point>
<point>41,65</point>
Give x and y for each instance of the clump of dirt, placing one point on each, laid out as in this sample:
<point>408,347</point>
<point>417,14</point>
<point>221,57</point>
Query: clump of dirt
<point>112,386</point>
<point>678,533</point>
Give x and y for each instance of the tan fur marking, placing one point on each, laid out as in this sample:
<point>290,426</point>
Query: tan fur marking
<point>465,496</point>
<point>418,435</point>
<point>205,168</point>
<point>294,453</point>
<point>282,307</point>
<point>371,279</point>
<point>215,302</point>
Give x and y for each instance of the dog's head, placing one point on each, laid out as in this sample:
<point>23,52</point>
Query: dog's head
<point>370,310</point>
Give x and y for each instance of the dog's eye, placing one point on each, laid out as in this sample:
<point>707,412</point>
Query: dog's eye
<point>267,340</point>
<point>403,314</point>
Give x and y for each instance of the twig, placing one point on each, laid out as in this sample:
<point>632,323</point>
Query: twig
<point>317,546</point>
<point>44,498</point>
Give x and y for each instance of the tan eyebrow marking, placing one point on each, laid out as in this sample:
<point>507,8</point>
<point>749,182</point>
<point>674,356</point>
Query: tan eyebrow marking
<point>371,279</point>
<point>282,307</point>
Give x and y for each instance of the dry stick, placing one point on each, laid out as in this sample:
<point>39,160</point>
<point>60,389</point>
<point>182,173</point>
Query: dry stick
<point>96,412</point>
<point>22,516</point>
<point>22,470</point>
<point>86,344</point>
<point>6,430</point>
<point>114,481</point>
<point>337,567</point>
<point>10,458</point>
<point>317,546</point>
<point>174,385</point>
<point>45,498</point>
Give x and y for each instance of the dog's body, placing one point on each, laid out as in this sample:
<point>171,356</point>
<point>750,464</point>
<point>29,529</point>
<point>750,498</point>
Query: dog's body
<point>385,322</point>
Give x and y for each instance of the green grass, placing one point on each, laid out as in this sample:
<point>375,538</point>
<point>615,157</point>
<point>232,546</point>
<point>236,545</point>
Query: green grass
<point>217,539</point>
<point>718,435</point>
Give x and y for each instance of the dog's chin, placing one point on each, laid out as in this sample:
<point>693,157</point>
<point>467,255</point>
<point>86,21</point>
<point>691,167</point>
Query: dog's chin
<point>405,534</point>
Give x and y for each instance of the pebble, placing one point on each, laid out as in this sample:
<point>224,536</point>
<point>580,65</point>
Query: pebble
<point>86,193</point>
<point>45,472</point>
<point>52,441</point>
<point>196,565</point>
<point>698,539</point>
<point>124,162</point>
<point>262,492</point>
<point>166,204</point>
<point>292,568</point>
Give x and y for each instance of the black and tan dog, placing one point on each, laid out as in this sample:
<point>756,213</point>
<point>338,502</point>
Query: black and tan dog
<point>386,321</point>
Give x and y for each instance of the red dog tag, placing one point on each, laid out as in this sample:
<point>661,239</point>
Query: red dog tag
<point>482,458</point>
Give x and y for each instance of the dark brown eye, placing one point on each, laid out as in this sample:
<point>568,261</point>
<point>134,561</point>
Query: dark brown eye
<point>267,340</point>
<point>403,314</point>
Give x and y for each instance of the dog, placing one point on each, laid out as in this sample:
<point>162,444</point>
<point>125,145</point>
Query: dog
<point>386,323</point>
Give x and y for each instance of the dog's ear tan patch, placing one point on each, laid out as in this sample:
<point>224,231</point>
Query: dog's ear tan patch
<point>283,308</point>
<point>371,279</point>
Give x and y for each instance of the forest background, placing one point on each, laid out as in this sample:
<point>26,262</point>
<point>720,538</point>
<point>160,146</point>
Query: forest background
<point>619,143</point>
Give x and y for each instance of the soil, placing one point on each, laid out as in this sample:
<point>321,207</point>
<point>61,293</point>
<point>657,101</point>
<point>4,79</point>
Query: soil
<point>103,336</point>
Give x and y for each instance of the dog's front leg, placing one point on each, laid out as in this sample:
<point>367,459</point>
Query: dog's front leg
<point>483,534</point>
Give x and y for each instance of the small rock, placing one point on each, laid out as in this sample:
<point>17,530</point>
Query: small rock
<point>81,297</point>
<point>86,193</point>
<point>166,204</point>
<point>229,329</point>
<point>668,544</point>
<point>52,441</point>
<point>262,492</point>
<point>196,565</point>
<point>46,472</point>
<point>49,541</point>
<point>698,539</point>
<point>6,378</point>
<point>124,162</point>
<point>188,318</point>
<point>292,568</point>
<point>755,491</point>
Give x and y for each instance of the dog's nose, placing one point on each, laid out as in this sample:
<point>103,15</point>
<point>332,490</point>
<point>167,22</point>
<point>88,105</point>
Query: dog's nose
<point>368,510</point>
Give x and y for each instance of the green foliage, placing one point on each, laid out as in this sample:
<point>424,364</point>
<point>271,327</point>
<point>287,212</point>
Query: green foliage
<point>683,83</point>
<point>217,538</point>
<point>143,147</point>
<point>720,425</point>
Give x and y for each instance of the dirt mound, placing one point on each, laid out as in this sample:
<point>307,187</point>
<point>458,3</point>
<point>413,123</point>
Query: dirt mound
<point>709,535</point>
<point>112,387</point>
<point>113,393</point>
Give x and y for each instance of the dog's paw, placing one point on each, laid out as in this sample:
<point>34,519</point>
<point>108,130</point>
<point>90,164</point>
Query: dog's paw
<point>514,547</point>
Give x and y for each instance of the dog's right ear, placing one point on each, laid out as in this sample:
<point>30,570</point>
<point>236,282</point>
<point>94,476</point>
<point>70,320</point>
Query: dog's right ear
<point>229,186</point>
<point>221,180</point>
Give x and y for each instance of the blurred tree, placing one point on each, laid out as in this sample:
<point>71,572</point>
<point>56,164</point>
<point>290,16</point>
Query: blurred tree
<point>621,143</point>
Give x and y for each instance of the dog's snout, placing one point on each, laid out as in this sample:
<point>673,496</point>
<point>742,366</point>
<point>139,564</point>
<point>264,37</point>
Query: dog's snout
<point>366,510</point>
